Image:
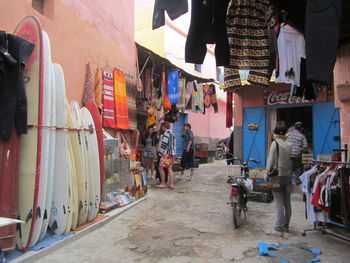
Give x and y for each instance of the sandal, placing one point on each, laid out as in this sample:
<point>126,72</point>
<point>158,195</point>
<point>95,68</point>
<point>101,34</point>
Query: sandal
<point>171,187</point>
<point>160,186</point>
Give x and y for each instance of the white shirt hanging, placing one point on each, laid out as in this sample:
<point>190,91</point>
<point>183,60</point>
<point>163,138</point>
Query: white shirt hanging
<point>291,48</point>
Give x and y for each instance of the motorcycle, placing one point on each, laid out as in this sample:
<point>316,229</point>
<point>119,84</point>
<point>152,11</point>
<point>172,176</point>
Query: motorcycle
<point>240,187</point>
<point>220,152</point>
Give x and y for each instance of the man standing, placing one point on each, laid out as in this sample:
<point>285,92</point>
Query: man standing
<point>167,150</point>
<point>187,159</point>
<point>299,142</point>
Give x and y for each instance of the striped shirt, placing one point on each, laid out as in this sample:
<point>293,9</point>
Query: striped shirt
<point>299,143</point>
<point>168,143</point>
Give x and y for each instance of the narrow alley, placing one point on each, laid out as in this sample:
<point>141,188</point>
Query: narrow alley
<point>193,223</point>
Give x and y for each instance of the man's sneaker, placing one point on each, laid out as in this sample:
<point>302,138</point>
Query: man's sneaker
<point>274,232</point>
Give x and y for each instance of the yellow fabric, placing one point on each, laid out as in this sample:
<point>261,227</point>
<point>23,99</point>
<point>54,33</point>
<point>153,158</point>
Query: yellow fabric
<point>98,89</point>
<point>151,117</point>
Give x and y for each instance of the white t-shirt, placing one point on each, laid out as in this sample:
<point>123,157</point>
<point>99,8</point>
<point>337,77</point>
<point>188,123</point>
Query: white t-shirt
<point>291,48</point>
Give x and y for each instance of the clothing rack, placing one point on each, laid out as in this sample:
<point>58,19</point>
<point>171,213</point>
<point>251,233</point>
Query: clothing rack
<point>322,226</point>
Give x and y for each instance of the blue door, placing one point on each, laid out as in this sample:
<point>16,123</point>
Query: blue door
<point>326,128</point>
<point>177,130</point>
<point>254,139</point>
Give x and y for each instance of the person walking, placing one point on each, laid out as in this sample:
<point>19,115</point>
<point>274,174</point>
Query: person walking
<point>161,132</point>
<point>300,146</point>
<point>280,153</point>
<point>229,149</point>
<point>149,141</point>
<point>187,159</point>
<point>168,151</point>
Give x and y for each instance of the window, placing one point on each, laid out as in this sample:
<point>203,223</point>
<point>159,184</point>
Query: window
<point>198,67</point>
<point>44,7</point>
<point>38,5</point>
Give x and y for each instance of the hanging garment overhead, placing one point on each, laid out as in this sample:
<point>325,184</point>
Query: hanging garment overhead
<point>173,86</point>
<point>174,9</point>
<point>247,29</point>
<point>291,48</point>
<point>14,53</point>
<point>322,30</point>
<point>213,100</point>
<point>208,26</point>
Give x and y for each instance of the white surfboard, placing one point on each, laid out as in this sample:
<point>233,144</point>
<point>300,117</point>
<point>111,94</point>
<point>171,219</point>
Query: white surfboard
<point>45,151</point>
<point>70,191</point>
<point>84,178</point>
<point>59,204</point>
<point>93,157</point>
<point>49,189</point>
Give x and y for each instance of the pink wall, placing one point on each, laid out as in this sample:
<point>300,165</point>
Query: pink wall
<point>210,124</point>
<point>81,31</point>
<point>341,75</point>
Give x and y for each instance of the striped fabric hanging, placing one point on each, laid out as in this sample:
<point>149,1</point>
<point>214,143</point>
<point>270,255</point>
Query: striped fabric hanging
<point>121,104</point>
<point>108,116</point>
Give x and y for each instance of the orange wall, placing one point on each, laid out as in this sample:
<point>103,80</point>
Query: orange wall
<point>341,75</point>
<point>82,31</point>
<point>210,124</point>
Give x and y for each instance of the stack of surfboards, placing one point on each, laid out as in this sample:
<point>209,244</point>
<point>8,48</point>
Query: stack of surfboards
<point>59,162</point>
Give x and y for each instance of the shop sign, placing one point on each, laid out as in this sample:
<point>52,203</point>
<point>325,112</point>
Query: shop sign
<point>278,98</point>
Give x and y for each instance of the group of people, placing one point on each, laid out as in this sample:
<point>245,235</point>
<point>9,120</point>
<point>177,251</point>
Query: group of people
<point>285,155</point>
<point>159,151</point>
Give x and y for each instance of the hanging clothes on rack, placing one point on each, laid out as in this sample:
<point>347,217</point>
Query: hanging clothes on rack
<point>201,98</point>
<point>213,100</point>
<point>195,97</point>
<point>208,26</point>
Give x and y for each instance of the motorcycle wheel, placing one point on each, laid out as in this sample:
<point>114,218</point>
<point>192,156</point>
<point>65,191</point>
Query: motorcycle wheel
<point>236,213</point>
<point>219,155</point>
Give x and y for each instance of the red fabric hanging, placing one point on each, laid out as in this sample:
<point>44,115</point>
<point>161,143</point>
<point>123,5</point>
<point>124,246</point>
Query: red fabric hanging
<point>229,109</point>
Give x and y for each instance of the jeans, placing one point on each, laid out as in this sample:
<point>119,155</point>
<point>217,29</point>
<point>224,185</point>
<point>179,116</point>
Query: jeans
<point>283,207</point>
<point>297,168</point>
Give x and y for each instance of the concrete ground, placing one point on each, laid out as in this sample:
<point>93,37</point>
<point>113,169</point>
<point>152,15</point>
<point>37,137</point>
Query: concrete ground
<point>193,223</point>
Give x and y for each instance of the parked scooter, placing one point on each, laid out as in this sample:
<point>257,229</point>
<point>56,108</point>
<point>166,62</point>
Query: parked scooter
<point>220,152</point>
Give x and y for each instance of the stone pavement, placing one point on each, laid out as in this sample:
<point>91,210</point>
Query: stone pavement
<point>193,223</point>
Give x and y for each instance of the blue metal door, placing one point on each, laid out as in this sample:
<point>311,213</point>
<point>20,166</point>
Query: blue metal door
<point>177,130</point>
<point>254,137</point>
<point>326,128</point>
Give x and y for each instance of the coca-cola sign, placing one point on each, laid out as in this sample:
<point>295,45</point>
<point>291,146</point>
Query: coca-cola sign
<point>280,98</point>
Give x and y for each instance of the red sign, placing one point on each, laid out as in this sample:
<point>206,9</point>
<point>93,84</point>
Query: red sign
<point>280,98</point>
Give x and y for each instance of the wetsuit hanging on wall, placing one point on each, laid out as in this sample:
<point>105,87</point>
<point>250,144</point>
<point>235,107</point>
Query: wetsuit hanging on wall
<point>14,53</point>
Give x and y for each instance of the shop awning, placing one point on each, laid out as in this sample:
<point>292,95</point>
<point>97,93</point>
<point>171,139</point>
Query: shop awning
<point>160,63</point>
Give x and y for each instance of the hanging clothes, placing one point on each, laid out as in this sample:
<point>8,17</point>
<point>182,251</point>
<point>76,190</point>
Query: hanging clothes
<point>208,26</point>
<point>229,109</point>
<point>89,92</point>
<point>201,98</point>
<point>14,53</point>
<point>195,97</point>
<point>151,117</point>
<point>174,9</point>
<point>189,88</point>
<point>206,94</point>
<point>158,100</point>
<point>108,116</point>
<point>291,48</point>
<point>166,101</point>
<point>173,86</point>
<point>131,94</point>
<point>98,89</point>
<point>213,100</point>
<point>121,105</point>
<point>182,89</point>
<point>322,30</point>
<point>247,29</point>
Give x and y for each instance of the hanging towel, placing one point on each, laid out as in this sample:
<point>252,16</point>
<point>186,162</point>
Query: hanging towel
<point>166,101</point>
<point>88,93</point>
<point>98,90</point>
<point>173,86</point>
<point>121,105</point>
<point>195,97</point>
<point>206,90</point>
<point>229,110</point>
<point>108,101</point>
<point>188,98</point>
<point>201,98</point>
<point>213,101</point>
<point>182,89</point>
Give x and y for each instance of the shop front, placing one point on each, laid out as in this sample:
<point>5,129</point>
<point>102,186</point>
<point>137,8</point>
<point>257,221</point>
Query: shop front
<point>262,110</point>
